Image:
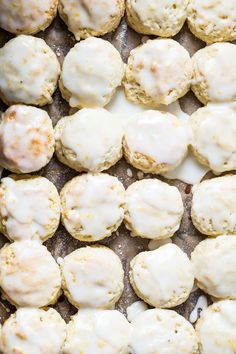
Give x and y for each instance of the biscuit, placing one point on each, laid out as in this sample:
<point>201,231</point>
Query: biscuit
<point>26,139</point>
<point>156,142</point>
<point>213,209</point>
<point>156,17</point>
<point>29,275</point>
<point>29,71</point>
<point>158,72</point>
<point>153,209</point>
<point>92,277</point>
<point>31,330</point>
<point>91,72</point>
<point>90,140</point>
<point>92,206</point>
<point>86,18</point>
<point>27,16</point>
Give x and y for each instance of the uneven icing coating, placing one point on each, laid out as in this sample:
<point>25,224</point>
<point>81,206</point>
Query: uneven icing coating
<point>29,208</point>
<point>153,209</point>
<point>162,331</point>
<point>29,275</point>
<point>163,277</point>
<point>135,309</point>
<point>33,331</point>
<point>31,76</point>
<point>91,72</point>
<point>216,328</point>
<point>92,206</point>
<point>92,277</point>
<point>98,331</point>
<point>27,139</point>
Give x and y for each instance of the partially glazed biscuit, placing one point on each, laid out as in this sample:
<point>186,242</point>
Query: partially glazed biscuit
<point>163,277</point>
<point>98,331</point>
<point>156,17</point>
<point>26,139</point>
<point>31,330</point>
<point>86,18</point>
<point>29,71</point>
<point>156,141</point>
<point>153,209</point>
<point>29,275</point>
<point>91,72</point>
<point>214,264</point>
<point>212,20</point>
<point>90,140</point>
<point>214,73</point>
<point>213,209</point>
<point>162,331</point>
<point>158,72</point>
<point>92,277</point>
<point>92,206</point>
<point>214,136</point>
<point>29,208</point>
<point>27,16</point>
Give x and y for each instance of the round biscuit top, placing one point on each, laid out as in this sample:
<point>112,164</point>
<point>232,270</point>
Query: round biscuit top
<point>212,20</point>
<point>29,208</point>
<point>27,16</point>
<point>89,140</point>
<point>162,18</point>
<point>92,206</point>
<point>91,72</point>
<point>162,331</point>
<point>158,72</point>
<point>29,275</point>
<point>214,206</point>
<point>92,277</point>
<point>31,331</point>
<point>216,328</point>
<point>31,76</point>
<point>163,277</point>
<point>98,331</point>
<point>214,136</point>
<point>156,141</point>
<point>214,264</point>
<point>153,209</point>
<point>86,18</point>
<point>215,73</point>
<point>27,139</point>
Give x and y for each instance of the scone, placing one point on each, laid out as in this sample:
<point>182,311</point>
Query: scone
<point>29,208</point>
<point>86,18</point>
<point>91,72</point>
<point>163,277</point>
<point>29,71</point>
<point>214,266</point>
<point>92,206</point>
<point>215,73</point>
<point>216,328</point>
<point>162,331</point>
<point>31,331</point>
<point>90,140</point>
<point>214,136</point>
<point>155,141</point>
<point>27,16</point>
<point>98,331</point>
<point>153,209</point>
<point>92,277</point>
<point>156,17</point>
<point>158,72</point>
<point>29,275</point>
<point>213,209</point>
<point>212,20</point>
<point>26,139</point>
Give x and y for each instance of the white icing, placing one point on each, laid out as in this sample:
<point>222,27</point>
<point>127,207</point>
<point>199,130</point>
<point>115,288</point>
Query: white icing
<point>135,309</point>
<point>154,244</point>
<point>200,305</point>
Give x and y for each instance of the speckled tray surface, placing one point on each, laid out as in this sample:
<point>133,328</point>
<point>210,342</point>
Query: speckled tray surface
<point>124,39</point>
